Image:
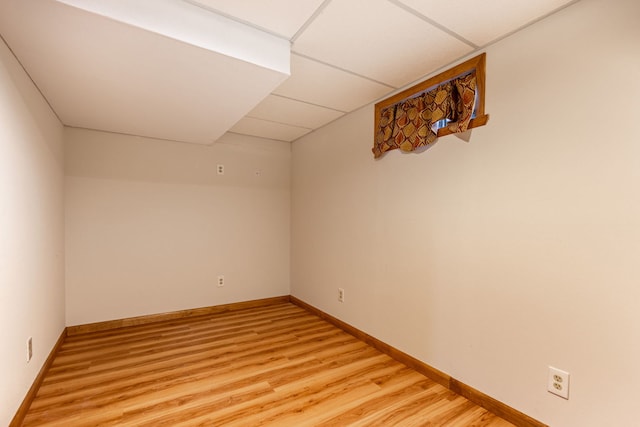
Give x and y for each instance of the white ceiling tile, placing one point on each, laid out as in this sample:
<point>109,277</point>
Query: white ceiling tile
<point>482,22</point>
<point>284,17</point>
<point>124,79</point>
<point>378,39</point>
<point>292,112</point>
<point>321,84</point>
<point>267,129</point>
<point>192,25</point>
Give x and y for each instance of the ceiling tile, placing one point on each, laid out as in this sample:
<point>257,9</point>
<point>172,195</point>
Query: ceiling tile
<point>191,24</point>
<point>284,110</point>
<point>378,39</point>
<point>120,78</point>
<point>284,17</point>
<point>321,84</point>
<point>482,22</point>
<point>267,129</point>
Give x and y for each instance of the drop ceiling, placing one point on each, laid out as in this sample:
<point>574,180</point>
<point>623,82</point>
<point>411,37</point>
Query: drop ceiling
<point>192,70</point>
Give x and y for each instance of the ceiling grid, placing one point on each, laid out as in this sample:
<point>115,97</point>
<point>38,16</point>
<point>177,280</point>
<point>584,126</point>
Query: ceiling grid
<point>121,76</point>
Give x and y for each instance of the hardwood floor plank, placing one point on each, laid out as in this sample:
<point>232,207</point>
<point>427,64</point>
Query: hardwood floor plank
<point>276,365</point>
<point>398,390</point>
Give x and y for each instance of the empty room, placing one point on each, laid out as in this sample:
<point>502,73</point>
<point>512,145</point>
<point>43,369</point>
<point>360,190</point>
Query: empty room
<point>319,212</point>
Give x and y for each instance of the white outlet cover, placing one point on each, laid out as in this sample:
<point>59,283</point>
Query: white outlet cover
<point>558,382</point>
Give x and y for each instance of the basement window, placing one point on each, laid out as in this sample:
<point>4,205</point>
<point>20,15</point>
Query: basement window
<point>451,102</point>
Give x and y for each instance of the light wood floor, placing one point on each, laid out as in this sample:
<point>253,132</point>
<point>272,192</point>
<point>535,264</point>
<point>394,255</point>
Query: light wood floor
<point>277,365</point>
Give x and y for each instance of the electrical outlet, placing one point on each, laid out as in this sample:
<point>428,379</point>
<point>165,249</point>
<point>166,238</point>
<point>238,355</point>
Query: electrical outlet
<point>340,294</point>
<point>29,349</point>
<point>220,281</point>
<point>558,382</point>
<point>220,169</point>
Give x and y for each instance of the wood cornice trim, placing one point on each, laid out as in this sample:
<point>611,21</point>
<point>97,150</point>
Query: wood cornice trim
<point>151,318</point>
<point>501,409</point>
<point>18,418</point>
<point>477,63</point>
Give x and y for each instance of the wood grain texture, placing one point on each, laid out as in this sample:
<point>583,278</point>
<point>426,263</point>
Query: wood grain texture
<point>151,318</point>
<point>277,365</point>
<point>475,396</point>
<point>508,413</point>
<point>18,418</point>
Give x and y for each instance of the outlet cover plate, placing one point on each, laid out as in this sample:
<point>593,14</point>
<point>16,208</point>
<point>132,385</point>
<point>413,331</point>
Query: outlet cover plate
<point>558,382</point>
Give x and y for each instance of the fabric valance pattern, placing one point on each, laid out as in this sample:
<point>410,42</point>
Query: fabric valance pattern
<point>408,124</point>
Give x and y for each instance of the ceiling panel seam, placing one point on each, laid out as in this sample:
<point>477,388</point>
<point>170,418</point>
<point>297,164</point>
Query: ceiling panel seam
<point>311,58</point>
<point>309,103</point>
<point>476,50</point>
<point>280,123</point>
<point>528,24</point>
<point>434,23</point>
<point>236,19</point>
<point>309,21</point>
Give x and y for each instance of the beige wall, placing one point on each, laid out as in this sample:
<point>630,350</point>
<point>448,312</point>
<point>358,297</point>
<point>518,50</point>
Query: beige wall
<point>150,225</point>
<point>493,259</point>
<point>31,232</point>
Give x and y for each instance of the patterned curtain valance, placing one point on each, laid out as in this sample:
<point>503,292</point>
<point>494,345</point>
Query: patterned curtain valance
<point>414,117</point>
<point>409,124</point>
